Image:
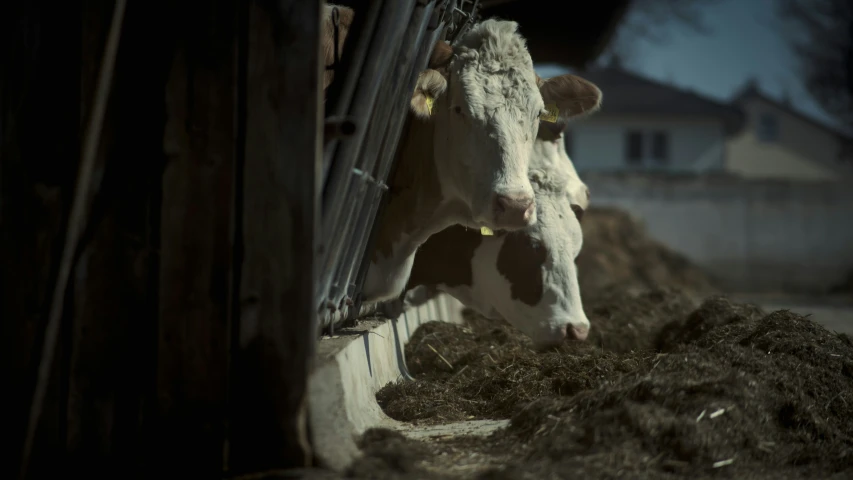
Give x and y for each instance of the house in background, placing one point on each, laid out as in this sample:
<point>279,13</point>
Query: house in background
<point>779,142</point>
<point>650,126</point>
<point>740,188</point>
<point>645,125</point>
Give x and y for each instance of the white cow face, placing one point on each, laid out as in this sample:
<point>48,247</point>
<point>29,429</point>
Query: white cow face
<point>485,104</point>
<point>549,155</point>
<point>561,200</point>
<point>485,126</point>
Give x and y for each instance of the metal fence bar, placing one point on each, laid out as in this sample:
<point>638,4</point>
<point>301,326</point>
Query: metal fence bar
<point>348,69</point>
<point>396,45</point>
<point>363,183</point>
<point>439,30</point>
<point>342,186</point>
<point>428,36</point>
<point>387,111</point>
<point>339,94</point>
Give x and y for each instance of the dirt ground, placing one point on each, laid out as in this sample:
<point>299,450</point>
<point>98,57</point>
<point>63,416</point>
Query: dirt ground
<point>667,386</point>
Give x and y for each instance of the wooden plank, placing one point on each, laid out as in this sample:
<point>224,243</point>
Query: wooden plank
<point>112,362</point>
<point>195,240</point>
<point>281,169</point>
<point>96,305</point>
<point>34,174</point>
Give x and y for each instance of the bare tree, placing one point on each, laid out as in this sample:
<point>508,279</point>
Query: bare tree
<point>821,35</point>
<point>649,19</point>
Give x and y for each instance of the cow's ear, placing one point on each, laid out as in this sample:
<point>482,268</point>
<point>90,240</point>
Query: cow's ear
<point>572,95</point>
<point>430,86</point>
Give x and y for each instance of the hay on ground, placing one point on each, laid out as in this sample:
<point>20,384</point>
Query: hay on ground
<point>618,252</point>
<point>736,393</point>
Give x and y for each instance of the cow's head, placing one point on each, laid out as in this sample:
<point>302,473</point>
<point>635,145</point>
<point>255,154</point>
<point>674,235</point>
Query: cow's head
<point>539,262</point>
<point>551,166</point>
<point>485,101</point>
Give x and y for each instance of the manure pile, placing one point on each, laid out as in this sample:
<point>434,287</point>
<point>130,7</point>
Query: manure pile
<point>666,387</point>
<point>726,391</point>
<point>617,252</point>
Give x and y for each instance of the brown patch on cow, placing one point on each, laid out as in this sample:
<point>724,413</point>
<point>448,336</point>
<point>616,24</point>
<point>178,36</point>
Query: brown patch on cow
<point>446,259</point>
<point>442,54</point>
<point>521,261</point>
<point>414,189</point>
<point>572,94</point>
<point>346,16</point>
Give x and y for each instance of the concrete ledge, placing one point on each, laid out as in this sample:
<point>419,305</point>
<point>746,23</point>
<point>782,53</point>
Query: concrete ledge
<point>351,367</point>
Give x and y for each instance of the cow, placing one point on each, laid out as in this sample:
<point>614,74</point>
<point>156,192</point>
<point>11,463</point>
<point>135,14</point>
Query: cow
<point>465,151</point>
<point>527,277</point>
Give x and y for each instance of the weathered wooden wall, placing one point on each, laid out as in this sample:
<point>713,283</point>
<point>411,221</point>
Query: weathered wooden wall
<point>281,167</point>
<point>38,74</point>
<point>188,424</point>
<point>188,321</point>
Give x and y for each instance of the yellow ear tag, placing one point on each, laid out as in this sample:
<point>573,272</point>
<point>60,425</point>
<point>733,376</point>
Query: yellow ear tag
<point>552,114</point>
<point>429,102</point>
<point>486,231</point>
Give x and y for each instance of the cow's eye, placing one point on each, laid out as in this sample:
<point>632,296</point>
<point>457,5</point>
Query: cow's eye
<point>578,211</point>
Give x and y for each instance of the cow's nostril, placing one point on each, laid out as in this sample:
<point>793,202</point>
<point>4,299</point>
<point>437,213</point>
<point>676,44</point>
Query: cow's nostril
<point>578,332</point>
<point>509,203</point>
<point>529,212</point>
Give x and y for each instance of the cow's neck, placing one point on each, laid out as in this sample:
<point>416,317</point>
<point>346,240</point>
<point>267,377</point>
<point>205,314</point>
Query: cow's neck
<point>416,208</point>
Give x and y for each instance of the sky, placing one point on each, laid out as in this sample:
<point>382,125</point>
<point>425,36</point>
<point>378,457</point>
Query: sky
<point>742,43</point>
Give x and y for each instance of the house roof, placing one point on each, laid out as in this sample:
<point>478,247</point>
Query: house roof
<point>630,93</point>
<point>751,91</point>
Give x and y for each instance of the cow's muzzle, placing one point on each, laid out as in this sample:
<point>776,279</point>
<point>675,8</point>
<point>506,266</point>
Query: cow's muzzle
<point>513,211</point>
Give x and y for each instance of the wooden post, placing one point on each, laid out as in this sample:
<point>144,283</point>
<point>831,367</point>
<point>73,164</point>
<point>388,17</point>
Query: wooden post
<point>195,238</point>
<point>276,225</point>
<point>40,73</point>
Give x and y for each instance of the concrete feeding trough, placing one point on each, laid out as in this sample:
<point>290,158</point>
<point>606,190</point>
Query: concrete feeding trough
<point>356,363</point>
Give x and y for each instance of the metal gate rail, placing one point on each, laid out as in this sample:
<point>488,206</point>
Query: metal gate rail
<point>394,47</point>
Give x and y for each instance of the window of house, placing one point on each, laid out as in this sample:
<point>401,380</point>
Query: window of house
<point>768,127</point>
<point>634,148</point>
<point>660,147</point>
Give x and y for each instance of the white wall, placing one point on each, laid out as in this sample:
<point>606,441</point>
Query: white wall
<point>756,236</point>
<point>696,145</point>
